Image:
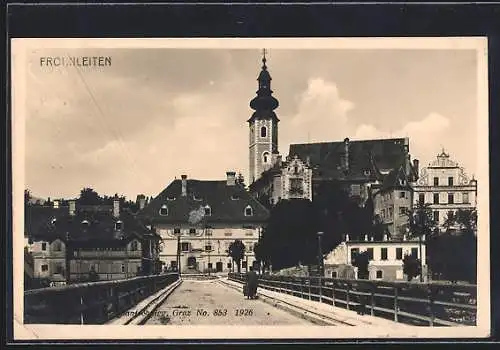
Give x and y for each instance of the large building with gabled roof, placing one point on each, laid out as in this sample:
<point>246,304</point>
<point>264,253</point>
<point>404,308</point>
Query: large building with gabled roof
<point>199,219</point>
<point>72,242</point>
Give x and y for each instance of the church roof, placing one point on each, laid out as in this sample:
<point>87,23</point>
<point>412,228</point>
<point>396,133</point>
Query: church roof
<point>327,157</point>
<point>227,203</point>
<point>49,224</point>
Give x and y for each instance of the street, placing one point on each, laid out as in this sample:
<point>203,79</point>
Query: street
<point>209,303</point>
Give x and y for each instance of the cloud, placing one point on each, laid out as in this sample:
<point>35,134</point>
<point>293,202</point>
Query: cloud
<point>321,114</point>
<point>425,135</point>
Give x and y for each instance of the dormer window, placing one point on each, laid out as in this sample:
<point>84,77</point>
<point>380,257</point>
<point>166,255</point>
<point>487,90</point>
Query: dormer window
<point>171,198</point>
<point>263,131</point>
<point>367,172</point>
<point>235,197</point>
<point>163,210</point>
<point>208,211</point>
<point>85,223</point>
<point>53,221</point>
<point>248,211</point>
<point>118,225</point>
<point>196,198</point>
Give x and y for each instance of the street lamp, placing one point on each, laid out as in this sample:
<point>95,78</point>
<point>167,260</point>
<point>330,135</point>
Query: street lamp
<point>320,254</point>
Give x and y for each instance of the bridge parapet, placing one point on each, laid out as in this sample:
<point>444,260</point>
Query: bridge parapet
<point>422,304</point>
<point>90,303</point>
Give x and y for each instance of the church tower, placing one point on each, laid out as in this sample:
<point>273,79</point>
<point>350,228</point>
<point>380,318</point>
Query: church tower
<point>263,142</point>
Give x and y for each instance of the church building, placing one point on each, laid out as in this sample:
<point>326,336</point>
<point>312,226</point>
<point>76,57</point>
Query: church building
<point>359,166</point>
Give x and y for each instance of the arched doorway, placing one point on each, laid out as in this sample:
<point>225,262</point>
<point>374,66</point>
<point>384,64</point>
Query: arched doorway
<point>191,262</point>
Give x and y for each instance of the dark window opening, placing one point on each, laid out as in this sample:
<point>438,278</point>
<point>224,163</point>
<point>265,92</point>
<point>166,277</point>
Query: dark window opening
<point>436,181</point>
<point>263,132</point>
<point>185,246</point>
<point>370,253</point>
<point>44,246</point>
<point>383,254</point>
<point>414,252</point>
<point>450,181</point>
<point>379,273</point>
<point>399,253</point>
<point>436,198</point>
<point>450,198</point>
<point>421,198</point>
<point>45,267</point>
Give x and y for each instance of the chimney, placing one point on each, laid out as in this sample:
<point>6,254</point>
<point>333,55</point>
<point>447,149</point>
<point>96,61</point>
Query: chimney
<point>184,185</point>
<point>385,238</point>
<point>56,204</point>
<point>141,201</point>
<point>366,238</point>
<point>408,164</point>
<point>347,237</point>
<point>72,207</point>
<point>231,178</point>
<point>346,154</point>
<point>416,166</point>
<point>116,206</point>
<point>279,159</point>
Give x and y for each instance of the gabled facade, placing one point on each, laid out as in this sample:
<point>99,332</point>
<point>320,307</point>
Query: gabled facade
<point>393,200</point>
<point>199,219</point>
<point>446,187</point>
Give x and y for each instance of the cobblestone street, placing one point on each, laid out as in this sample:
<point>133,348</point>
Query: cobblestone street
<point>210,303</point>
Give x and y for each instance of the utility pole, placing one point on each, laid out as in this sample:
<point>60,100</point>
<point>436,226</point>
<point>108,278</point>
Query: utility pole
<point>320,255</point>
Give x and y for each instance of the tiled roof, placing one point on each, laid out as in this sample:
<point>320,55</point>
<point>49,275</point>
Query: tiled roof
<point>216,194</point>
<point>397,178</point>
<point>46,223</point>
<point>327,157</point>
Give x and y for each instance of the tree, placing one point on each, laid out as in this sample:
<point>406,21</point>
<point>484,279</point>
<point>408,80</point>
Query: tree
<point>240,179</point>
<point>421,224</point>
<point>290,235</point>
<point>361,261</point>
<point>411,266</point>
<point>89,197</point>
<point>237,252</point>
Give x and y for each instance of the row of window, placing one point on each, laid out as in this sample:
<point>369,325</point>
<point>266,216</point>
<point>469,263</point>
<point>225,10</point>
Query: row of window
<point>451,198</point>
<point>57,246</point>
<point>383,253</point>
<point>186,247</point>
<point>207,210</point>
<point>388,213</point>
<point>440,183</point>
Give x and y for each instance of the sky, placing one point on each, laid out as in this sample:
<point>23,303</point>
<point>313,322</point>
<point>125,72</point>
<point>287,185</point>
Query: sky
<point>155,114</point>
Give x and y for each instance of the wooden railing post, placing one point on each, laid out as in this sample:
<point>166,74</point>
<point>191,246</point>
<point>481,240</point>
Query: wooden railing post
<point>309,285</point>
<point>347,295</point>
<point>372,290</point>
<point>301,287</point>
<point>430,293</point>
<point>396,306</point>
<point>320,283</point>
<point>333,292</point>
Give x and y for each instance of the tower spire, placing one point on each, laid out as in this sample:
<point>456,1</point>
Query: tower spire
<point>264,101</point>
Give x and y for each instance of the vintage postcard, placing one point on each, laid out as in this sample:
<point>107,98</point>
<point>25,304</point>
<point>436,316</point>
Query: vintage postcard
<point>250,189</point>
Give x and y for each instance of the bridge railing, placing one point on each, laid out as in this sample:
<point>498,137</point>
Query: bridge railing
<point>419,304</point>
<point>90,303</point>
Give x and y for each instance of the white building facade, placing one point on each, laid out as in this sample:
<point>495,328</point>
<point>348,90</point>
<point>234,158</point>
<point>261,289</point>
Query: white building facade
<point>446,187</point>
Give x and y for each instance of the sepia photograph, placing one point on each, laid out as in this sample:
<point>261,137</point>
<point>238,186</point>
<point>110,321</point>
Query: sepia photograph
<point>250,188</point>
